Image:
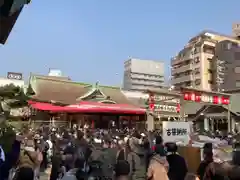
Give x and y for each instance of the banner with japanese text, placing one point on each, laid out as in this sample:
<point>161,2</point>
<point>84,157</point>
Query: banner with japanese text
<point>176,131</point>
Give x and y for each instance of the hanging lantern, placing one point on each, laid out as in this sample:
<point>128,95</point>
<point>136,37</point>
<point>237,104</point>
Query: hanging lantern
<point>192,97</point>
<point>197,97</point>
<point>178,108</point>
<point>186,96</point>
<point>151,101</point>
<point>225,100</point>
<point>215,100</point>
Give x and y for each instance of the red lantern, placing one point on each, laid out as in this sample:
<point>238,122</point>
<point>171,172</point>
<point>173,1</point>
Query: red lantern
<point>197,98</point>
<point>192,97</point>
<point>186,96</point>
<point>178,108</point>
<point>151,106</point>
<point>151,101</point>
<point>215,100</point>
<point>225,100</point>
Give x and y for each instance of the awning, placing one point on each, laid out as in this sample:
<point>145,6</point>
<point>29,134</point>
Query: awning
<point>45,106</point>
<point>89,107</point>
<point>107,108</point>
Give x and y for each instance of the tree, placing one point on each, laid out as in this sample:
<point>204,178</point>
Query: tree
<point>11,96</point>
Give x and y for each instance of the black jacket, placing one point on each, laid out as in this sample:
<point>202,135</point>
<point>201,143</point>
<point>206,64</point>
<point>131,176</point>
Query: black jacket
<point>177,167</point>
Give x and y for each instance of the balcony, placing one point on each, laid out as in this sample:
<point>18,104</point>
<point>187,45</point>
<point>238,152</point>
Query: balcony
<point>182,69</point>
<point>182,79</point>
<point>178,60</point>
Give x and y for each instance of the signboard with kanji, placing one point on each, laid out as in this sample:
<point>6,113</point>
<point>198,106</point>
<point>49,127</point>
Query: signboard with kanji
<point>176,131</point>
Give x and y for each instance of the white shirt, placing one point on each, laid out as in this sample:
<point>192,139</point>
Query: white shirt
<point>2,154</point>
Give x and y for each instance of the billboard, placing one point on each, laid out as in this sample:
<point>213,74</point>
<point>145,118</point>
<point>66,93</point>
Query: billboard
<point>14,75</point>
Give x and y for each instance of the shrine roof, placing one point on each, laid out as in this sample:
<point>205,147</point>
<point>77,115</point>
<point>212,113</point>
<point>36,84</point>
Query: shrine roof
<point>63,90</point>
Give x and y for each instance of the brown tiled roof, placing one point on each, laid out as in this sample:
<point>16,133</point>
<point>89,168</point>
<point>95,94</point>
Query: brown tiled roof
<point>63,91</point>
<point>115,94</point>
<point>52,77</point>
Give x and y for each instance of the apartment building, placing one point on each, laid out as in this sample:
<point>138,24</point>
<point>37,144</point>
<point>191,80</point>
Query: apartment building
<point>192,67</point>
<point>226,66</point>
<point>141,75</point>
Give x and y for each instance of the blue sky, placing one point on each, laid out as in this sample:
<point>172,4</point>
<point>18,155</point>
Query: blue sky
<point>90,39</point>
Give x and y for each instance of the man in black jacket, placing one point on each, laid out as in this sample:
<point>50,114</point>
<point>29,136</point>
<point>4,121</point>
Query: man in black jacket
<point>177,165</point>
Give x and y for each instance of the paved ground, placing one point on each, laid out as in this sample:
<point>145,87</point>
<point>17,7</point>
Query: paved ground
<point>45,175</point>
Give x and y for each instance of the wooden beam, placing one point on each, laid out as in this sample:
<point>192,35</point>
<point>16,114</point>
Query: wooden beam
<point>165,92</point>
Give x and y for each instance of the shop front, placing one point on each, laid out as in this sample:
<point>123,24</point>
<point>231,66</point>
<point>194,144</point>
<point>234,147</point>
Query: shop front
<point>162,105</point>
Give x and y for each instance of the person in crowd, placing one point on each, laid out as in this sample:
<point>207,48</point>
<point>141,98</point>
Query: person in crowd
<point>177,164</point>
<point>2,155</point>
<point>68,155</point>
<point>28,161</point>
<point>147,151</point>
<point>136,158</point>
<point>191,176</point>
<point>225,170</point>
<point>2,160</point>
<point>158,166</point>
<point>108,158</point>
<point>121,155</point>
<point>56,161</point>
<point>11,159</point>
<point>158,143</point>
<point>122,170</point>
<point>207,159</point>
<point>77,172</point>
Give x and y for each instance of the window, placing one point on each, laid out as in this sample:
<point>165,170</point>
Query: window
<point>229,46</point>
<point>188,83</point>
<point>210,82</point>
<point>210,71</point>
<point>209,49</point>
<point>197,70</point>
<point>198,82</point>
<point>237,55</point>
<point>237,83</point>
<point>197,60</point>
<point>196,50</point>
<point>237,69</point>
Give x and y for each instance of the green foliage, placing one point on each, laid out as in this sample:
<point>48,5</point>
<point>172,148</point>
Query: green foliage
<point>30,90</point>
<point>7,136</point>
<point>13,95</point>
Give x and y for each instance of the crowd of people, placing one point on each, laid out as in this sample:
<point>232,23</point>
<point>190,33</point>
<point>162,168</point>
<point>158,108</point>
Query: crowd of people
<point>79,154</point>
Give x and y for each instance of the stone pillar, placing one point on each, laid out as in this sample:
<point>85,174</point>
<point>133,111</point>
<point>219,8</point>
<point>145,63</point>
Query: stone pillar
<point>233,122</point>
<point>230,125</point>
<point>182,113</point>
<point>206,124</point>
<point>212,124</point>
<point>150,122</point>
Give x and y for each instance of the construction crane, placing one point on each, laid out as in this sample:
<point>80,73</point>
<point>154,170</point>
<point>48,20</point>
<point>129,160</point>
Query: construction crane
<point>9,13</point>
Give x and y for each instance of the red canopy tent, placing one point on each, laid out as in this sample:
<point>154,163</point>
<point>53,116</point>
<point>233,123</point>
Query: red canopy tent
<point>89,107</point>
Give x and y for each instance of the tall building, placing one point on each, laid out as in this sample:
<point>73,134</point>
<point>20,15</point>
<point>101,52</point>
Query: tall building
<point>142,75</point>
<point>192,67</point>
<point>226,66</point>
